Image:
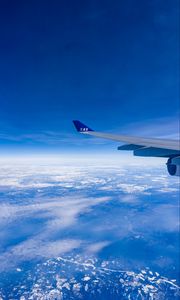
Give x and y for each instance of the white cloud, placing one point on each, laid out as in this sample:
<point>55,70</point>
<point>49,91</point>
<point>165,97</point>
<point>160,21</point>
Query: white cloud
<point>130,199</point>
<point>34,248</point>
<point>97,247</point>
<point>129,179</point>
<point>58,213</point>
<point>62,210</point>
<point>132,188</point>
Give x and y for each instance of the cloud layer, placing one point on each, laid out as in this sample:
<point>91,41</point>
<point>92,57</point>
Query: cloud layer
<point>50,210</point>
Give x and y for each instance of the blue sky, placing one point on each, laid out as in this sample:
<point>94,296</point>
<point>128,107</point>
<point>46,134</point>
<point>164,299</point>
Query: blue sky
<point>111,64</point>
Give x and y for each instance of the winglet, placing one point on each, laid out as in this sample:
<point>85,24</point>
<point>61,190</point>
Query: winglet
<point>81,127</point>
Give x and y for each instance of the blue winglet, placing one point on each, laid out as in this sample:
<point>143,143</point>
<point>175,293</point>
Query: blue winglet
<point>81,127</point>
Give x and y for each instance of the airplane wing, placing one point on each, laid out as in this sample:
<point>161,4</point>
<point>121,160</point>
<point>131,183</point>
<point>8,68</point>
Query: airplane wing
<point>142,146</point>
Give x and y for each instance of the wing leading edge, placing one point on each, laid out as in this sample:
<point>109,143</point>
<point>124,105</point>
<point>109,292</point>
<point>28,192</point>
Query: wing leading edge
<point>142,146</point>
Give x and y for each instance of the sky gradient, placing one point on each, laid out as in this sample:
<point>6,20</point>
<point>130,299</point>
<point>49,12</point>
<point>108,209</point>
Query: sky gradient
<point>111,64</point>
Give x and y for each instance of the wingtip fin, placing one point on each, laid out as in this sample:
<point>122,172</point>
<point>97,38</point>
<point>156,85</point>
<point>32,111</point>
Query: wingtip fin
<point>80,127</point>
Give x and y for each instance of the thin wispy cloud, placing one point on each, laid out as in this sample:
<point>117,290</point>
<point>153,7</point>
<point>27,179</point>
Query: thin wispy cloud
<point>167,127</point>
<point>50,138</point>
<point>56,215</point>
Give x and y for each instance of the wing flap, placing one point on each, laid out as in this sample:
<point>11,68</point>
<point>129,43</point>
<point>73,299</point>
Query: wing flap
<point>155,152</point>
<point>129,147</point>
<point>148,151</point>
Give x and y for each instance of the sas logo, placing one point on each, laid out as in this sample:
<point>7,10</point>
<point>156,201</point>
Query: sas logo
<point>83,129</point>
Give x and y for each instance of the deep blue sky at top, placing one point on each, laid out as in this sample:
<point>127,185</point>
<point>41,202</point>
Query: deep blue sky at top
<point>105,62</point>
